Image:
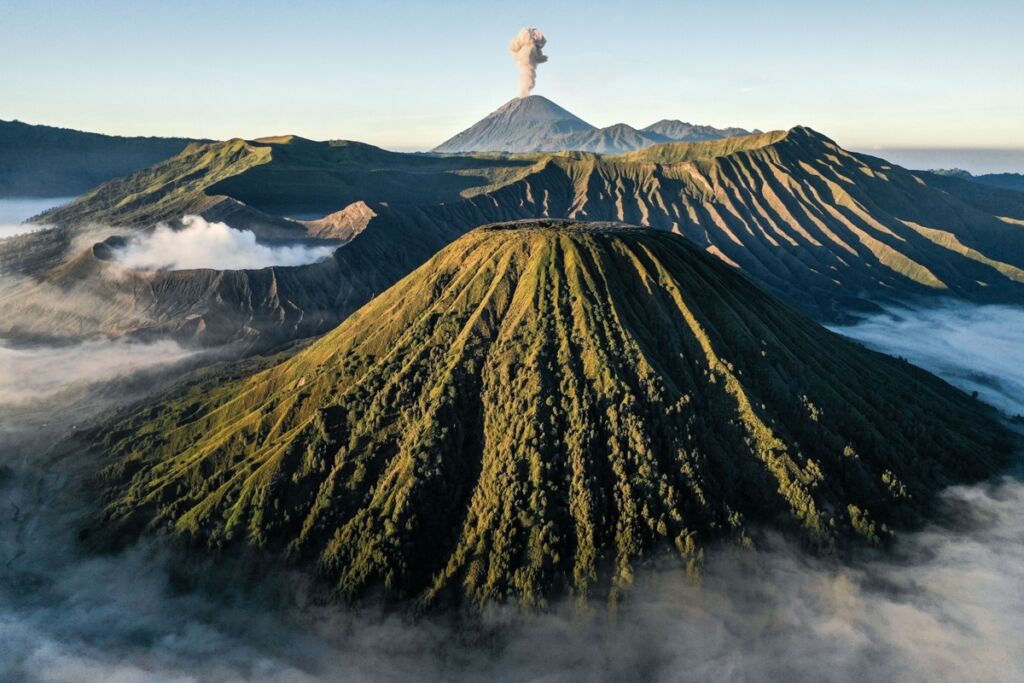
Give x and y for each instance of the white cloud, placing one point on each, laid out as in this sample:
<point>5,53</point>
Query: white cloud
<point>18,229</point>
<point>201,244</point>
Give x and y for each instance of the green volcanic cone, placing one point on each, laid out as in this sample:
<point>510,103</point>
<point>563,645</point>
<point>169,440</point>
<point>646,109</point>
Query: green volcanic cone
<point>537,409</point>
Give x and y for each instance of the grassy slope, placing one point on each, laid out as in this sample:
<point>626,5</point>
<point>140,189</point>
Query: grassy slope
<point>535,410</point>
<point>165,191</point>
<point>820,227</point>
<point>815,224</point>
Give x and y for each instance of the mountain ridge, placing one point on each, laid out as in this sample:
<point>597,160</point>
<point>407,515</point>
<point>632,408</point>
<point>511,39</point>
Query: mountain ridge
<point>829,231</point>
<point>48,161</point>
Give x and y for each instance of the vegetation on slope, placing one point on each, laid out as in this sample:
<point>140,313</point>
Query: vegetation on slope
<point>538,409</point>
<point>817,225</point>
<point>166,191</point>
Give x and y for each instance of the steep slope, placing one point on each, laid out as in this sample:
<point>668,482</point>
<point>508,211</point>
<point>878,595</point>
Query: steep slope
<point>825,229</point>
<point>539,408</point>
<point>43,161</point>
<point>523,124</point>
<point>275,177</point>
<point>680,131</point>
<point>829,231</point>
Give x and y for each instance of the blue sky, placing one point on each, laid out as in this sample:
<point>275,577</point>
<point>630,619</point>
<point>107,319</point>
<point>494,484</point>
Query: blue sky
<point>406,75</point>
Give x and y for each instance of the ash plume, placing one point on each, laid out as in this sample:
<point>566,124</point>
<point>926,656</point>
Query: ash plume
<point>526,47</point>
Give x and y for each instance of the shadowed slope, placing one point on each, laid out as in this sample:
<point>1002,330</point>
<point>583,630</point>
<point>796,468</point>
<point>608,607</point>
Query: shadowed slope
<point>46,161</point>
<point>538,408</point>
<point>828,231</point>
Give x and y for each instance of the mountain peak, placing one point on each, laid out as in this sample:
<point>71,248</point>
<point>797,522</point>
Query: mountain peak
<point>683,131</point>
<point>538,108</point>
<point>539,408</point>
<point>523,124</point>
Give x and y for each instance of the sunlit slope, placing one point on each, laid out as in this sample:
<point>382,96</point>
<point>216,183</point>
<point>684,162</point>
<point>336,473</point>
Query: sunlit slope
<point>821,227</point>
<point>278,176</point>
<point>537,409</point>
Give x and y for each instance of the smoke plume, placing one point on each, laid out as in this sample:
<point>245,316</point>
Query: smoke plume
<point>201,244</point>
<point>527,47</point>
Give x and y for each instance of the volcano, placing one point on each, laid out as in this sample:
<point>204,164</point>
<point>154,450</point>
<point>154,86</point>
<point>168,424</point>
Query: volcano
<point>523,124</point>
<point>536,124</point>
<point>536,410</point>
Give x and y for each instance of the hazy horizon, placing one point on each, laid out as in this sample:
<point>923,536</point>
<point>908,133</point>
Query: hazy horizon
<point>977,160</point>
<point>940,77</point>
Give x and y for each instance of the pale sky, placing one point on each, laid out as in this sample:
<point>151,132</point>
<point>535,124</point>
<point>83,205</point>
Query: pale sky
<point>407,75</point>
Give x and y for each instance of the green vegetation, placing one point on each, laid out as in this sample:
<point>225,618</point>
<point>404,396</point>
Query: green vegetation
<point>536,410</point>
<point>814,224</point>
<point>43,161</point>
<point>279,176</point>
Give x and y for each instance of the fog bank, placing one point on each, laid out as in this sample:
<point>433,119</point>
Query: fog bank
<point>977,348</point>
<point>945,605</point>
<point>37,373</point>
<point>13,213</point>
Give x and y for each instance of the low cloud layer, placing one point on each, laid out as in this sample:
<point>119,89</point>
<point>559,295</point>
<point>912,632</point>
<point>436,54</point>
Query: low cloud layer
<point>944,604</point>
<point>13,213</point>
<point>32,374</point>
<point>977,348</point>
<point>201,244</point>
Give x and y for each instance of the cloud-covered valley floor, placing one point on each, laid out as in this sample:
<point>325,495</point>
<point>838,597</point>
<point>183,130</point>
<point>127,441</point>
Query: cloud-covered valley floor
<point>946,604</point>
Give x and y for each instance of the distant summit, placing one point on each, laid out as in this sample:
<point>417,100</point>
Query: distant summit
<point>536,124</point>
<point>681,131</point>
<point>523,124</point>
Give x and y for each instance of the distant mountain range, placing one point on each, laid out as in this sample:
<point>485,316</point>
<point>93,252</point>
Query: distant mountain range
<point>538,410</point>
<point>44,161</point>
<point>536,124</point>
<point>1006,181</point>
<point>828,231</point>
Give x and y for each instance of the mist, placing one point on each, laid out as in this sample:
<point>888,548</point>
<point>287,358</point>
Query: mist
<point>977,348</point>
<point>943,604</point>
<point>201,244</point>
<point>32,374</point>
<point>13,213</point>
